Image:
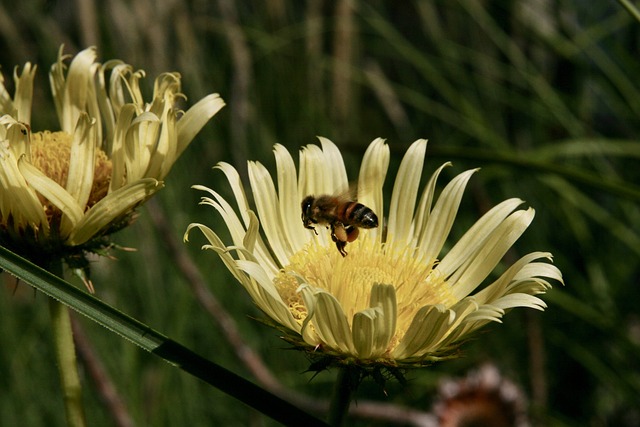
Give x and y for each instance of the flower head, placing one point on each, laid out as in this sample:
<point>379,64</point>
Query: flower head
<point>483,398</point>
<point>62,192</point>
<point>397,298</point>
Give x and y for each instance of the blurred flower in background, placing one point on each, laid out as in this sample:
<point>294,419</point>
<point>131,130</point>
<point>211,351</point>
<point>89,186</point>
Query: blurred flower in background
<point>397,299</point>
<point>483,398</point>
<point>63,192</point>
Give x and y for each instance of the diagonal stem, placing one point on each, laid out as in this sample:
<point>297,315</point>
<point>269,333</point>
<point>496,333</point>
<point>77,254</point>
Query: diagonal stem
<point>66,359</point>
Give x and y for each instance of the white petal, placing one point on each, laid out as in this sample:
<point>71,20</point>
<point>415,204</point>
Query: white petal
<point>289,199</point>
<point>82,160</point>
<point>334,166</point>
<point>77,89</point>
<point>442,216</point>
<point>164,153</point>
<point>322,171</point>
<point>476,235</point>
<point>110,208</point>
<point>195,118</point>
<point>373,172</point>
<point>456,329</point>
<point>23,93</point>
<point>519,300</point>
<point>266,200</point>
<point>53,192</point>
<point>471,274</point>
<point>238,189</point>
<point>255,282</point>
<point>118,156</point>
<point>424,208</point>
<point>384,297</point>
<point>331,323</point>
<point>539,269</point>
<point>239,231</point>
<point>264,293</point>
<point>235,227</point>
<point>365,332</point>
<point>405,192</point>
<point>484,314</point>
<point>428,326</point>
<point>504,283</point>
<point>17,198</point>
<point>139,141</point>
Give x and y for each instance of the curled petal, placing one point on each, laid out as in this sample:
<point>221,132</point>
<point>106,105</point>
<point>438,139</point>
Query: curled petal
<point>112,207</point>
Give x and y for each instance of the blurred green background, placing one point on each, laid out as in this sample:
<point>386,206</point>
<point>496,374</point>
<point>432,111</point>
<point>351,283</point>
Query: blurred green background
<point>543,95</point>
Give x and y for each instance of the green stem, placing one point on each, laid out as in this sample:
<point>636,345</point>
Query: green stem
<point>346,384</point>
<point>66,359</point>
<point>154,342</point>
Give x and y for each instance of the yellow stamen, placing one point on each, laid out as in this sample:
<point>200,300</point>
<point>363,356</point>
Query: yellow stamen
<point>350,278</point>
<point>50,152</point>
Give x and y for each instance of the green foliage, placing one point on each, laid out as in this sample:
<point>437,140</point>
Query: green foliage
<point>542,95</point>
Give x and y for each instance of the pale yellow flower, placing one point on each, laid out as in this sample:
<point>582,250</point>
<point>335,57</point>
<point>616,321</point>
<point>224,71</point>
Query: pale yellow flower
<point>63,191</point>
<point>403,295</point>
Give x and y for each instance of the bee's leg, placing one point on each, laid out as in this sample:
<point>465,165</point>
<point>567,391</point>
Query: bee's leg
<point>309,224</point>
<point>339,235</point>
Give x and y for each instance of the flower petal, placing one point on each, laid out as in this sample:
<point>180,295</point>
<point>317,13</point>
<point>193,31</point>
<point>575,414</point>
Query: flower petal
<point>118,155</point>
<point>427,326</point>
<point>23,94</point>
<point>195,118</point>
<point>17,198</point>
<point>265,294</point>
<point>334,165</point>
<point>140,138</point>
<point>54,193</point>
<point>289,199</point>
<point>364,331</point>
<point>238,189</point>
<point>237,230</point>
<point>466,278</point>
<point>384,297</point>
<point>110,208</point>
<point>72,94</point>
<point>373,172</point>
<point>424,207</point>
<point>266,200</point>
<point>322,171</point>
<point>251,278</point>
<point>455,330</point>
<point>163,154</point>
<point>405,191</point>
<point>519,278</point>
<point>442,216</point>
<point>330,321</point>
<point>82,160</point>
<point>476,235</point>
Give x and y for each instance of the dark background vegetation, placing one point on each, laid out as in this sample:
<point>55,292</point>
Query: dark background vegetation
<point>543,95</point>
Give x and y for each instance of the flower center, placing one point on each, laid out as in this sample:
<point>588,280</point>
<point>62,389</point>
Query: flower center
<point>51,154</point>
<point>351,278</point>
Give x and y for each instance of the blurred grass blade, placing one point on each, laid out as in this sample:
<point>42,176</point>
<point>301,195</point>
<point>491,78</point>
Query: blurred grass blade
<point>584,147</point>
<point>631,9</point>
<point>525,162</point>
<point>154,342</point>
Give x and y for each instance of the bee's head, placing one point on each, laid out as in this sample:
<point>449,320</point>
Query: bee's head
<point>307,211</point>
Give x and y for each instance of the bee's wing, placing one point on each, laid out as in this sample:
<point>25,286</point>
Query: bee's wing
<point>348,195</point>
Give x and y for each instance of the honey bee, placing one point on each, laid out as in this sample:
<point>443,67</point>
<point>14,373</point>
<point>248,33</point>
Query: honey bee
<point>342,214</point>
